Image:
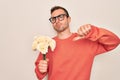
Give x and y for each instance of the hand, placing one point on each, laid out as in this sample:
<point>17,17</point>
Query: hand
<point>83,31</point>
<point>43,65</point>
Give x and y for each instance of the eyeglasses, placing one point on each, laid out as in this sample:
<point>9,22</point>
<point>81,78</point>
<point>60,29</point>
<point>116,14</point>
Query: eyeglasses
<point>59,17</point>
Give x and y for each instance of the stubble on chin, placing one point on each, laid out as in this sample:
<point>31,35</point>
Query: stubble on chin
<point>60,29</point>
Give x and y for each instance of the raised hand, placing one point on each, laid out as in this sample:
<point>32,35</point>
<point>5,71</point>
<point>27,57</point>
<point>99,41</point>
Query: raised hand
<point>83,31</point>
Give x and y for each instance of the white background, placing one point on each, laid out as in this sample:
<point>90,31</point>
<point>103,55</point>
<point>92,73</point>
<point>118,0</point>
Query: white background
<point>21,20</point>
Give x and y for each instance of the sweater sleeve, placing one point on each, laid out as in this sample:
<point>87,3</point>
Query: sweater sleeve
<point>105,39</point>
<point>39,75</point>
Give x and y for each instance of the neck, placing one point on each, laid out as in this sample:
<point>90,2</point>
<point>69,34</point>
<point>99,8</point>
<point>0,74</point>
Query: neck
<point>65,34</point>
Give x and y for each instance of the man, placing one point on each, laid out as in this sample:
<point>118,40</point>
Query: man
<point>73,56</point>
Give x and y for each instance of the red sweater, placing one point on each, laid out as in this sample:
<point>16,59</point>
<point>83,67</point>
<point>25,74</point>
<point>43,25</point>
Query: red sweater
<point>72,60</point>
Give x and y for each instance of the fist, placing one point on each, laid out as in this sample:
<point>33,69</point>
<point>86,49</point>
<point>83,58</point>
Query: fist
<point>83,31</point>
<point>43,66</point>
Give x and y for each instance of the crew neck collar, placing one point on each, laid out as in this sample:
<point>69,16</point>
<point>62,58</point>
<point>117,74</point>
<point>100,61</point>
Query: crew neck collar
<point>70,37</point>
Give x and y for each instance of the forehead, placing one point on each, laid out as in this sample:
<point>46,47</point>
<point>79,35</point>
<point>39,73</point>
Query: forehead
<point>58,12</point>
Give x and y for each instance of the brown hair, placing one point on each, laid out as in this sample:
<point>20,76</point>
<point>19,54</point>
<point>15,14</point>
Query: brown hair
<point>59,7</point>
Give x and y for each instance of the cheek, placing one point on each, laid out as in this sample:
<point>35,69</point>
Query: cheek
<point>66,23</point>
<point>53,25</point>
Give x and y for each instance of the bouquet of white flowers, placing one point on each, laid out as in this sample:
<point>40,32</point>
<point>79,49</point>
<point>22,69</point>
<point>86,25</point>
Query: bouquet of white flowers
<point>41,43</point>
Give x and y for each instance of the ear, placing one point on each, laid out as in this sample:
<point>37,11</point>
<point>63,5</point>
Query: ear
<point>69,19</point>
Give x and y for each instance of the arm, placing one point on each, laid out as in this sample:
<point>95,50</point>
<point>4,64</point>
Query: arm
<point>105,39</point>
<point>39,75</point>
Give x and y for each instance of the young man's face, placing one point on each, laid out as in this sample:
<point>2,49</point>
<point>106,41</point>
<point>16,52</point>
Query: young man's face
<point>60,20</point>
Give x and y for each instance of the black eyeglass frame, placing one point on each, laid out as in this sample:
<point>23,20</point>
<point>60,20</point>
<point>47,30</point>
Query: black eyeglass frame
<point>50,19</point>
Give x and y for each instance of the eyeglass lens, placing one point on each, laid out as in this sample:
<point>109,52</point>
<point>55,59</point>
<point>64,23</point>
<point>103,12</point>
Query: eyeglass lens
<point>59,17</point>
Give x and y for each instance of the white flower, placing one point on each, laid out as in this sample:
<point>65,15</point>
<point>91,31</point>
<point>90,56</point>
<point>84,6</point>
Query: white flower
<point>41,43</point>
<point>52,44</point>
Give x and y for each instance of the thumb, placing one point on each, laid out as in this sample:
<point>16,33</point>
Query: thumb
<point>77,38</point>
